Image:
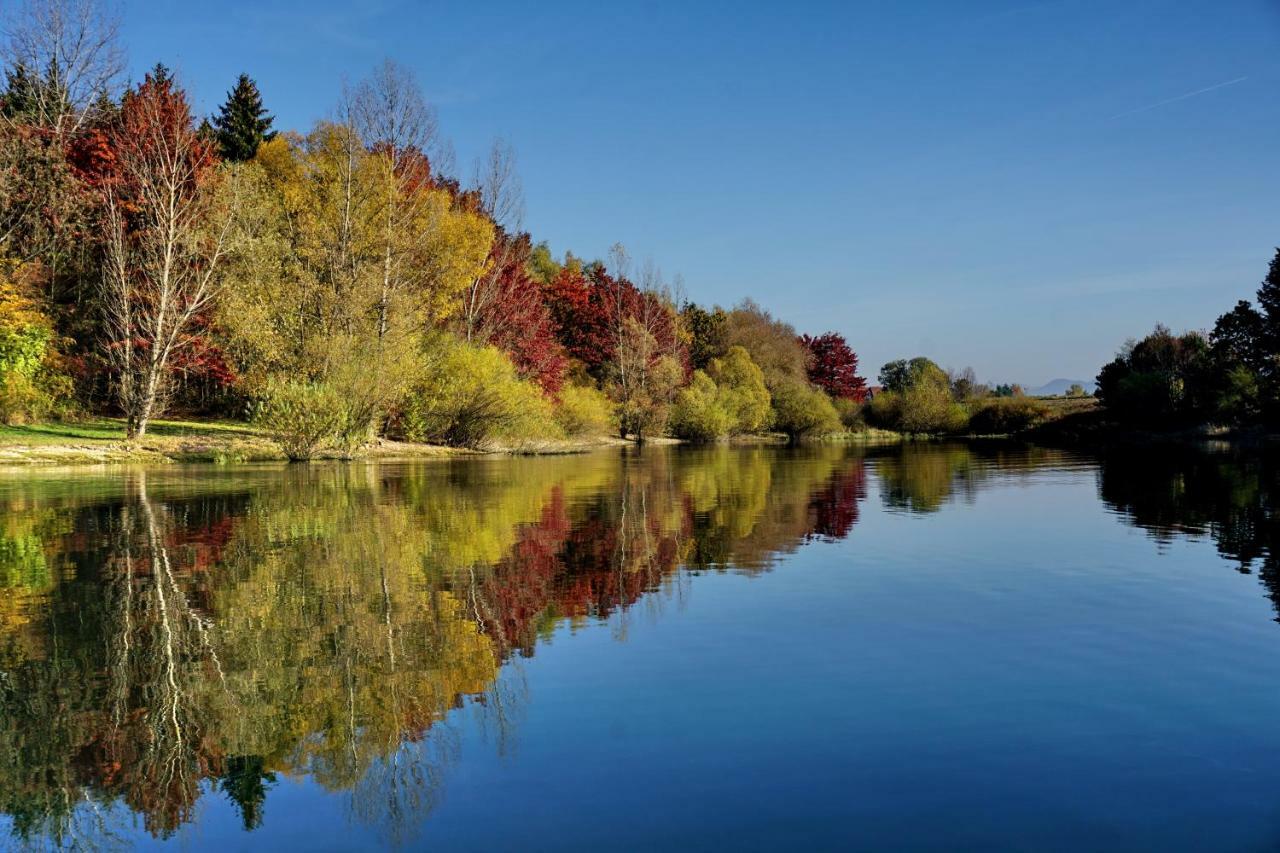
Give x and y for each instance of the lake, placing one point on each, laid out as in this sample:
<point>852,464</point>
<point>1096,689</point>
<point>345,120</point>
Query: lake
<point>934,646</point>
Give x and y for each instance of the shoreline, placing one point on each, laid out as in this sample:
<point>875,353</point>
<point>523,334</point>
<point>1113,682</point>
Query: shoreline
<point>224,443</point>
<point>242,450</point>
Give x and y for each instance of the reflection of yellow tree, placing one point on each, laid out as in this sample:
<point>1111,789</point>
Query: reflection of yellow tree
<point>26,566</point>
<point>326,620</point>
<point>922,478</point>
<point>755,503</point>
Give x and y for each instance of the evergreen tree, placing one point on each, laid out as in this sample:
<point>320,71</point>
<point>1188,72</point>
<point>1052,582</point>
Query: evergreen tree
<point>18,98</point>
<point>242,123</point>
<point>1269,301</point>
<point>1237,337</point>
<point>245,782</point>
<point>207,132</point>
<point>161,75</point>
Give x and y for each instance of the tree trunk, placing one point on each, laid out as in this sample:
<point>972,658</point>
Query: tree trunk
<point>139,419</point>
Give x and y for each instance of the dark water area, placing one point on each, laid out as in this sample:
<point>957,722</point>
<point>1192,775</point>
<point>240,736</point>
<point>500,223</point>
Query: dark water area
<point>922,647</point>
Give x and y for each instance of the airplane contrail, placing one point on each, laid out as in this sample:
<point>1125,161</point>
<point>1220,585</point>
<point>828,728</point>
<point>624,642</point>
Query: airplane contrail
<point>1180,97</point>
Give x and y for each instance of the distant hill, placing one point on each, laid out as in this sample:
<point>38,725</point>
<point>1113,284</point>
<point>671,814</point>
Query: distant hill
<point>1059,387</point>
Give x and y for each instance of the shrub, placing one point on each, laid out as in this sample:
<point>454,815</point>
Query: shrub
<point>32,384</point>
<point>584,410</point>
<point>800,410</point>
<point>1003,415</point>
<point>470,396</point>
<point>929,407</point>
<point>924,408</point>
<point>699,413</point>
<point>884,410</point>
<point>741,390</point>
<point>850,412</point>
<point>302,417</point>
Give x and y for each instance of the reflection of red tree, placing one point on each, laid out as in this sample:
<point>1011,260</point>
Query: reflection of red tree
<point>833,509</point>
<point>584,567</point>
<point>595,562</point>
<point>520,586</point>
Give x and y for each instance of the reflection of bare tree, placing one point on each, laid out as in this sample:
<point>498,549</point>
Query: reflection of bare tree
<point>330,621</point>
<point>161,654</point>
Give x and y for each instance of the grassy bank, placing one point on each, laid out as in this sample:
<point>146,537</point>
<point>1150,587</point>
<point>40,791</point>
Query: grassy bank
<point>101,441</point>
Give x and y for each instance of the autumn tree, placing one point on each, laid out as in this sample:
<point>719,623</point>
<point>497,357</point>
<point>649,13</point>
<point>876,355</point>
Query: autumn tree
<point>242,123</point>
<point>579,308</point>
<point>497,184</point>
<point>65,58</point>
<point>707,333</point>
<point>772,343</point>
<point>505,305</point>
<point>965,385</point>
<point>61,61</point>
<point>168,231</point>
<point>360,254</point>
<point>647,364</point>
<point>833,366</point>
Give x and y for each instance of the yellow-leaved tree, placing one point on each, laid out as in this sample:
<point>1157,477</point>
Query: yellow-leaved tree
<point>360,254</point>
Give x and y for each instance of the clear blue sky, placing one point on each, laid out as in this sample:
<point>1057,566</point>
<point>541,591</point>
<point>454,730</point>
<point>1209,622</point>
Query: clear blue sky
<point>1016,185</point>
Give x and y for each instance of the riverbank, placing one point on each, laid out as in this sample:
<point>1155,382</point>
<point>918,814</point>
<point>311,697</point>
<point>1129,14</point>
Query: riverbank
<point>100,441</point>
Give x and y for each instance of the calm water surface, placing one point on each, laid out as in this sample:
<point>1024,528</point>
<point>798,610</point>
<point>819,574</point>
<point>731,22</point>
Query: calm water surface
<point>924,647</point>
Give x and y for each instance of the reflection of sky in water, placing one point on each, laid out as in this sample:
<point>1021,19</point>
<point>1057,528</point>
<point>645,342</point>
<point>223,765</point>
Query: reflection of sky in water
<point>977,652</point>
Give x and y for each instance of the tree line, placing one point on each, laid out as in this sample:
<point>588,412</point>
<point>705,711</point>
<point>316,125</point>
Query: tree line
<point>337,284</point>
<point>1229,376</point>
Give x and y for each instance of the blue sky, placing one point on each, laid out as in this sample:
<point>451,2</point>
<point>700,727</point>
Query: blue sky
<point>1015,185</point>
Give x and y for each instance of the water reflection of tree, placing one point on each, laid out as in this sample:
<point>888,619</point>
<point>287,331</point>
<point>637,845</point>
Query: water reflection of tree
<point>923,477</point>
<point>1231,496</point>
<point>159,640</point>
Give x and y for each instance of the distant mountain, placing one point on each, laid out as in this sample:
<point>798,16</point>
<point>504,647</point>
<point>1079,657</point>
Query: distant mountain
<point>1059,387</point>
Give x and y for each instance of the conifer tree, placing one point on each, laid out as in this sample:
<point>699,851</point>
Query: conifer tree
<point>1269,302</point>
<point>242,123</point>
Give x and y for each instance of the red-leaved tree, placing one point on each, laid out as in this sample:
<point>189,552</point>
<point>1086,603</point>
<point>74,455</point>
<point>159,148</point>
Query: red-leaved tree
<point>833,366</point>
<point>507,309</point>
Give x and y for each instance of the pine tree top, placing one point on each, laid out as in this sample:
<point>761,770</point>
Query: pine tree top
<point>242,123</point>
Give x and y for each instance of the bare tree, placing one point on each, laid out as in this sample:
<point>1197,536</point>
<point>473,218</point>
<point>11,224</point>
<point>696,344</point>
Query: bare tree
<point>501,190</point>
<point>392,119</point>
<point>502,197</point>
<point>168,229</point>
<point>646,368</point>
<point>390,113</point>
<point>70,49</point>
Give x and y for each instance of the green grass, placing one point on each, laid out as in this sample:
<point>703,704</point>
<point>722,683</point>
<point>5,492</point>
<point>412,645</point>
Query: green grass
<point>111,430</point>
